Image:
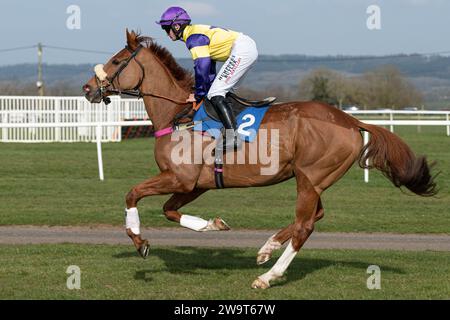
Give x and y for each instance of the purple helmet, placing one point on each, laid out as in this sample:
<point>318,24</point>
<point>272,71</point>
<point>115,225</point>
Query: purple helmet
<point>174,15</point>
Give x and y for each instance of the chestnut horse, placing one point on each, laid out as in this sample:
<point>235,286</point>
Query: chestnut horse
<point>317,145</point>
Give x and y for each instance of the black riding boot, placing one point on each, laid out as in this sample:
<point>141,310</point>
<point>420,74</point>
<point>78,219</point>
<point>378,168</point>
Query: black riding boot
<point>226,115</point>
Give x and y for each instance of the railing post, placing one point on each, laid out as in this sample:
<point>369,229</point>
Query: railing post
<point>366,171</point>
<point>5,116</point>
<point>57,119</point>
<point>127,110</point>
<point>448,126</point>
<point>99,152</point>
<point>391,118</point>
<point>109,118</point>
<point>119,117</point>
<point>419,128</point>
<point>114,116</point>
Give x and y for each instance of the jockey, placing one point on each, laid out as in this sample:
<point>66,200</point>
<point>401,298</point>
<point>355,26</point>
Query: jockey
<point>207,45</point>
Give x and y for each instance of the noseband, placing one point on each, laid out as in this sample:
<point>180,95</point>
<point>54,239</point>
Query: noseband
<point>106,85</point>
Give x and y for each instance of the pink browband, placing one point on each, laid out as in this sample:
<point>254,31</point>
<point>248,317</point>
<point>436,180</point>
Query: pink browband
<point>163,132</point>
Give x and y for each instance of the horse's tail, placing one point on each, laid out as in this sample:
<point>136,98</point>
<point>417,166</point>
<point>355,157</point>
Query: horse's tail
<point>392,156</point>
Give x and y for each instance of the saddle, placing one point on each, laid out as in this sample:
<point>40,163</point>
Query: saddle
<point>248,114</point>
<point>238,104</point>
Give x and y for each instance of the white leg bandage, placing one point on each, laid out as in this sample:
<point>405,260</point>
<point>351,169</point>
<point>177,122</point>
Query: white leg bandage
<point>270,246</point>
<point>281,265</point>
<point>194,223</point>
<point>132,220</point>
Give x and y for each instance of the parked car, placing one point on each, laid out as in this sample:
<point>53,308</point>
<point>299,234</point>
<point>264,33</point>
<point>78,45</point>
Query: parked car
<point>351,108</point>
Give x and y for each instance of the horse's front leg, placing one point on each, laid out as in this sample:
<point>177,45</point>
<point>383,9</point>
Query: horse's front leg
<point>164,183</point>
<point>194,223</point>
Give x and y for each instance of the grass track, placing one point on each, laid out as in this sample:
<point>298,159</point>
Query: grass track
<point>57,184</point>
<point>115,272</point>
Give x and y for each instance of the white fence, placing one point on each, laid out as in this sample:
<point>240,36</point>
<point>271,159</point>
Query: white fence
<point>70,110</point>
<point>64,110</point>
<point>412,115</point>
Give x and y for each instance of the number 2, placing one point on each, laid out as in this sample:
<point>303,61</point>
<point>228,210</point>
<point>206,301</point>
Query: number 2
<point>241,129</point>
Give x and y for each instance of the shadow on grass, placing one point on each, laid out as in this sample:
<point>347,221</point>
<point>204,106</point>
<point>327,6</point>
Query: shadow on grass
<point>199,261</point>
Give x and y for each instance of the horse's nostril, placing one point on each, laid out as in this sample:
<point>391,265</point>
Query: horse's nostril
<point>86,88</point>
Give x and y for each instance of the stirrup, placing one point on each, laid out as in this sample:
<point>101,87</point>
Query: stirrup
<point>232,144</point>
<point>223,145</point>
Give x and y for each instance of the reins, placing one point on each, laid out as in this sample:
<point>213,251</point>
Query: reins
<point>140,94</point>
<point>107,82</point>
<point>136,92</point>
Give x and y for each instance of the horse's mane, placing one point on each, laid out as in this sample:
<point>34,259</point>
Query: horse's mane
<point>184,77</point>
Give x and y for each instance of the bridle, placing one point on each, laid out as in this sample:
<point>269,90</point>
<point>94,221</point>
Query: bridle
<point>107,86</point>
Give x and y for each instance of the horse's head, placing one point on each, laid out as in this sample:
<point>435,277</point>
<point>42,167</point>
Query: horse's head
<point>123,72</point>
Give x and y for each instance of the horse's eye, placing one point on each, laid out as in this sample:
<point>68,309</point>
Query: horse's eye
<point>115,61</point>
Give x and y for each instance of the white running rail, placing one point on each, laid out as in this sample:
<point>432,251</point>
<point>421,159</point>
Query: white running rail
<point>20,111</point>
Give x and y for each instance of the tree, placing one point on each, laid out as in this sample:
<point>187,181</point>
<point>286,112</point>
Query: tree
<point>316,86</point>
<point>384,87</point>
<point>387,88</point>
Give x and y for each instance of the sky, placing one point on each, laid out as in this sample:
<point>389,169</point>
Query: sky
<point>311,27</point>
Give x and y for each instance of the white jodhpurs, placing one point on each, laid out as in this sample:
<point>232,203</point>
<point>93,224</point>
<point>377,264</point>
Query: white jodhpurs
<point>243,55</point>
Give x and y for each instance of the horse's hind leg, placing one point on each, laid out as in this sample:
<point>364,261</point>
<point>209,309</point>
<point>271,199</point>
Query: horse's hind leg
<point>277,240</point>
<point>306,210</point>
<point>198,224</point>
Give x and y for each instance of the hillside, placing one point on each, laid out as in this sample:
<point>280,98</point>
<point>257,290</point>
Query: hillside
<point>430,74</point>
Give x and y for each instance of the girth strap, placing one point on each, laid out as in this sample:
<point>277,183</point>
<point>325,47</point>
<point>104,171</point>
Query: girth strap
<point>218,167</point>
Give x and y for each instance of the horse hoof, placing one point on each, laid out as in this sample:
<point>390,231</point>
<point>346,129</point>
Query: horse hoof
<point>221,225</point>
<point>262,258</point>
<point>144,249</point>
<point>259,284</point>
<point>216,224</point>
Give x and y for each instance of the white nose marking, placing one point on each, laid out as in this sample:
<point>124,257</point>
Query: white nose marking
<point>100,73</point>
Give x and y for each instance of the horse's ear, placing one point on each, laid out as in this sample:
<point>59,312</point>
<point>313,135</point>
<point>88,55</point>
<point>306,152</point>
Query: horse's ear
<point>131,39</point>
<point>128,35</point>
